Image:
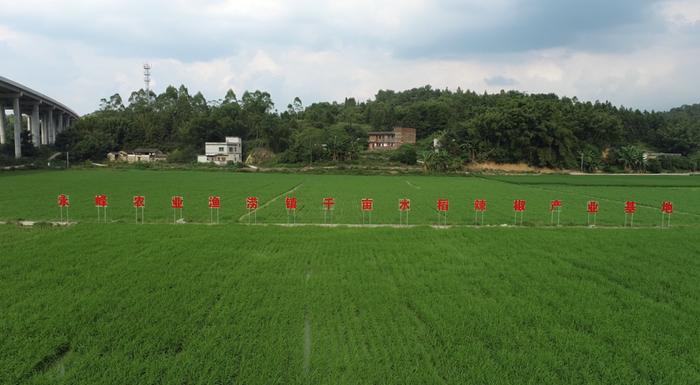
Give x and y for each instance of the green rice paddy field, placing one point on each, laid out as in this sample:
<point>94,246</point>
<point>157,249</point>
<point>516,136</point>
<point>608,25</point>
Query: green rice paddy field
<point>33,195</point>
<point>121,303</point>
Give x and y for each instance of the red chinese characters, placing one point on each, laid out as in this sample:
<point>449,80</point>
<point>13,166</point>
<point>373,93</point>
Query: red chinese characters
<point>666,211</point>
<point>554,205</point>
<point>138,201</point>
<point>367,204</point>
<point>630,207</point>
<point>404,204</point>
<point>667,207</point>
<point>592,207</point>
<point>214,202</point>
<point>519,205</point>
<point>101,200</point>
<point>177,202</point>
<point>443,205</point>
<point>480,205</point>
<point>63,205</point>
<point>328,203</point>
<point>251,203</point>
<point>63,201</point>
<point>290,203</point>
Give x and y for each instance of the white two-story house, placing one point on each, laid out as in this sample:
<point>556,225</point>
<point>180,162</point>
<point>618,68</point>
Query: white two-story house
<point>222,152</point>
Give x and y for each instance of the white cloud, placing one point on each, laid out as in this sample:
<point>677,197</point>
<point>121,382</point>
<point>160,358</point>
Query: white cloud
<point>81,51</point>
<point>681,11</point>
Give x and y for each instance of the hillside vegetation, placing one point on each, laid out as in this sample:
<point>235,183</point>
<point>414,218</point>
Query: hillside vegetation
<point>541,130</point>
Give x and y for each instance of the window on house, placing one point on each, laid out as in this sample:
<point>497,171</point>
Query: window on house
<point>221,149</point>
<point>230,148</point>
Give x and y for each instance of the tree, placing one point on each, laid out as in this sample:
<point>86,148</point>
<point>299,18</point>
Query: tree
<point>113,104</point>
<point>256,105</point>
<point>297,106</point>
<point>307,146</point>
<point>406,154</point>
<point>590,159</point>
<point>230,97</point>
<point>538,129</point>
<point>632,157</point>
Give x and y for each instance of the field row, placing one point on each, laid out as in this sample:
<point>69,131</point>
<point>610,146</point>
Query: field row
<point>33,196</point>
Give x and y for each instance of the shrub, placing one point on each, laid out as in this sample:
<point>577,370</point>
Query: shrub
<point>406,154</point>
<point>186,155</point>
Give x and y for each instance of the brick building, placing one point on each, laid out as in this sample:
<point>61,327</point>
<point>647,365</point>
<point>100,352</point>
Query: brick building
<point>391,140</point>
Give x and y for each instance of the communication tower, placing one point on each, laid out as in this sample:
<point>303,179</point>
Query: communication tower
<point>147,79</point>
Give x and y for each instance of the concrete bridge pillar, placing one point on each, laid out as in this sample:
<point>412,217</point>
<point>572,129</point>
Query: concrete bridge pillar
<point>42,128</point>
<point>60,124</point>
<point>35,125</point>
<point>52,127</point>
<point>3,122</point>
<point>18,128</point>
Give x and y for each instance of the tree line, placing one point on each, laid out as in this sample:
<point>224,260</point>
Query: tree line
<point>542,130</point>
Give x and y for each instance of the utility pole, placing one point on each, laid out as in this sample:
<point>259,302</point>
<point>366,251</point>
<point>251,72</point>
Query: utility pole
<point>581,161</point>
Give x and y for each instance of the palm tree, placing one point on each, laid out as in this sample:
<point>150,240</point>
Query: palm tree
<point>427,158</point>
<point>632,157</point>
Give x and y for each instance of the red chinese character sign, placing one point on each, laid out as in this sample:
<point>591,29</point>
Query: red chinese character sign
<point>519,208</point>
<point>101,204</point>
<point>178,205</point>
<point>63,201</point>
<point>667,207</point>
<point>251,203</point>
<point>479,208</point>
<point>328,205</point>
<point>101,200</point>
<point>214,204</point>
<point>404,209</point>
<point>666,211</point>
<point>630,209</point>
<point>554,207</point>
<point>63,204</point>
<point>139,202</point>
<point>443,206</point>
<point>592,212</point>
<point>367,206</point>
<point>290,203</point>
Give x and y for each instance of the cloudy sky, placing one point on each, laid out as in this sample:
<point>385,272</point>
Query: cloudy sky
<point>637,53</point>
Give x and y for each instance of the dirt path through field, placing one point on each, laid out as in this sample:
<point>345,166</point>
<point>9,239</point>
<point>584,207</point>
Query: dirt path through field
<point>413,185</point>
<point>270,202</point>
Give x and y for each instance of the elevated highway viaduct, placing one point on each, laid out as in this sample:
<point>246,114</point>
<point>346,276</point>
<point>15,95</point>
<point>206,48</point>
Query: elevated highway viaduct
<point>46,117</point>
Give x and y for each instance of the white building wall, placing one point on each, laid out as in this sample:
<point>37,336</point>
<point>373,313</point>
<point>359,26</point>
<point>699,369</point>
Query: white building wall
<point>213,148</point>
<point>231,149</point>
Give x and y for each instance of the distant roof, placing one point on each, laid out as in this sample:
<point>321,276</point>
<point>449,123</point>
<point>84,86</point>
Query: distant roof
<point>381,133</point>
<point>394,129</point>
<point>229,139</point>
<point>146,150</point>
<point>663,153</point>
